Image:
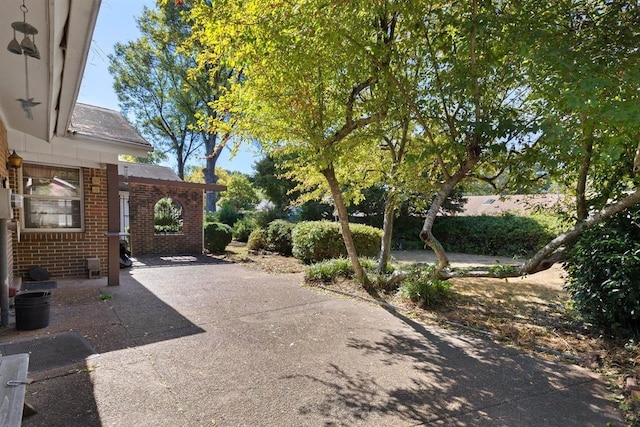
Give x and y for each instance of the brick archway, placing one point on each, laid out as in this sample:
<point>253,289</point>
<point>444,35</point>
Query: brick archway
<point>143,237</point>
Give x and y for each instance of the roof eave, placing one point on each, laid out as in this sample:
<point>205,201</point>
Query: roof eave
<point>75,51</point>
<point>121,146</point>
<point>171,183</point>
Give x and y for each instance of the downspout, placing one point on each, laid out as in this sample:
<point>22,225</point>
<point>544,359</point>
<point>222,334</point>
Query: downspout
<point>4,274</point>
<point>5,214</point>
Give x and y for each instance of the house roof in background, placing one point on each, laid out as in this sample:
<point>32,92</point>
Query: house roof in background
<point>144,170</point>
<point>106,124</point>
<point>144,173</point>
<point>517,204</point>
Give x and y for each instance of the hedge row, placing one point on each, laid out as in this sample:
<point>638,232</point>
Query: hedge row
<point>505,235</point>
<point>314,241</point>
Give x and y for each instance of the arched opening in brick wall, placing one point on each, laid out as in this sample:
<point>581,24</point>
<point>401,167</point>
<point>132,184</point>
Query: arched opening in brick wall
<point>145,186</point>
<point>168,216</point>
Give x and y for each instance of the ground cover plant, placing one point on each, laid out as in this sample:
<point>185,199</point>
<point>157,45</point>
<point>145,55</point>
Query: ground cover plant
<point>332,270</point>
<point>422,288</point>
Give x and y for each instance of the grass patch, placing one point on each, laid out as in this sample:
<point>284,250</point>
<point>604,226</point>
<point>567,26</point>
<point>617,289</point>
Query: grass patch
<point>502,270</point>
<point>330,270</point>
<point>422,288</point>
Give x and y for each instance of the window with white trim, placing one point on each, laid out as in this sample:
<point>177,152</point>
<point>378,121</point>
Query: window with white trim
<point>52,198</point>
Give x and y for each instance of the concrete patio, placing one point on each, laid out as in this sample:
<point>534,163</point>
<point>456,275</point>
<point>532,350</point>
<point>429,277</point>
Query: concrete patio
<point>200,342</point>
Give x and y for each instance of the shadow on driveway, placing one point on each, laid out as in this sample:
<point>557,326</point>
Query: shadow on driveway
<point>430,376</point>
<point>111,319</point>
<point>220,344</point>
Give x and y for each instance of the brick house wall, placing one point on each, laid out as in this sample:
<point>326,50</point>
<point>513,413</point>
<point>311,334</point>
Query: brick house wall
<point>143,238</point>
<point>64,254</point>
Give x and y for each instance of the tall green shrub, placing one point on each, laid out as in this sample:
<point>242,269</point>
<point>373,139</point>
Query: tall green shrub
<point>216,237</point>
<point>314,241</point>
<point>604,272</point>
<point>227,214</point>
<point>243,228</point>
<point>257,240</point>
<point>265,217</point>
<point>278,235</point>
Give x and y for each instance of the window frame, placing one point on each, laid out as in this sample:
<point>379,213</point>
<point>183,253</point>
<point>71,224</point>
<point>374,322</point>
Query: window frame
<point>26,197</point>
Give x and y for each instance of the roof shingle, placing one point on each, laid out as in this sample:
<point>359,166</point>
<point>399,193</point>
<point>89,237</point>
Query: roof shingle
<point>99,122</point>
<point>143,170</point>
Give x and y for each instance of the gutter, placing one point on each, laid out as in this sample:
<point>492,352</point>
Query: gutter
<point>129,147</point>
<point>75,48</point>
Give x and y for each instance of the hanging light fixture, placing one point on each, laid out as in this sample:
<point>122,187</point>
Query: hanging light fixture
<point>28,48</point>
<point>14,161</point>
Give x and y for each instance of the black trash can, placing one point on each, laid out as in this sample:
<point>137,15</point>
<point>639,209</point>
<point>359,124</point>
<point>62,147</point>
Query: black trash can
<point>32,310</point>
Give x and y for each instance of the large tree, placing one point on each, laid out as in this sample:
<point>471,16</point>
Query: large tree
<point>497,87</point>
<point>469,103</point>
<point>170,99</point>
<point>584,68</point>
<point>516,86</point>
<point>269,177</point>
<point>305,93</point>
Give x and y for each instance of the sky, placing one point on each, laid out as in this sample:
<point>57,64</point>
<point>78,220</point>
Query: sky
<point>116,23</point>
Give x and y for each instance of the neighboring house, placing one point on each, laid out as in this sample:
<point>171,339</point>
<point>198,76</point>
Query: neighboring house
<point>515,204</point>
<point>69,176</point>
<point>142,186</point>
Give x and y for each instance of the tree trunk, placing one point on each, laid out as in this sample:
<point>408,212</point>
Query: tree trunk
<point>582,210</point>
<point>426,234</point>
<point>361,275</point>
<point>473,156</point>
<point>387,233</point>
<point>180,162</point>
<point>473,151</point>
<point>547,256</point>
<point>210,176</point>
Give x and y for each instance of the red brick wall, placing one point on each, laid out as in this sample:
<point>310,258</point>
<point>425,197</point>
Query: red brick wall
<point>64,254</point>
<point>144,240</point>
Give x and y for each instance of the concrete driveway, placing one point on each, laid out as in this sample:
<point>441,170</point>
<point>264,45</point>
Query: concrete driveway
<point>201,344</point>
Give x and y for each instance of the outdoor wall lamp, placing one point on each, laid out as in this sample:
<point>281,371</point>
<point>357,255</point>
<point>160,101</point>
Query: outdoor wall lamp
<point>27,47</point>
<point>14,161</point>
